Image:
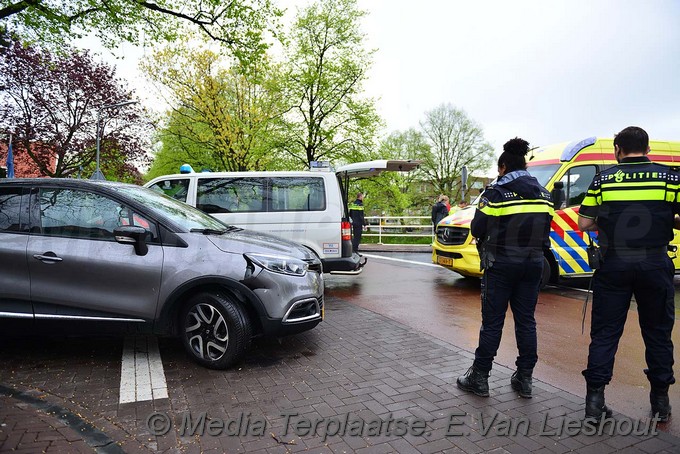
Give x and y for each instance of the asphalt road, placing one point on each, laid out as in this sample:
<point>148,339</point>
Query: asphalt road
<point>406,287</point>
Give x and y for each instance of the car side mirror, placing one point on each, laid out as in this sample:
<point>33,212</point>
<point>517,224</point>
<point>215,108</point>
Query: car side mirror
<point>557,194</point>
<point>132,234</point>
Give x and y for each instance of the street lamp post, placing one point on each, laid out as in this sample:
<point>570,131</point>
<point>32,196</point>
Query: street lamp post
<point>98,175</point>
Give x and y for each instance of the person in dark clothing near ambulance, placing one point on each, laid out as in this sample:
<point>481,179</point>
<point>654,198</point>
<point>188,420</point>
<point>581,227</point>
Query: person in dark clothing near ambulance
<point>633,207</point>
<point>356,214</point>
<point>440,210</point>
<point>511,224</point>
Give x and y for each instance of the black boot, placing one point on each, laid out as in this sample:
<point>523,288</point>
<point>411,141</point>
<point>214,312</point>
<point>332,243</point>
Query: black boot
<point>521,382</point>
<point>661,407</point>
<point>595,406</point>
<point>474,381</point>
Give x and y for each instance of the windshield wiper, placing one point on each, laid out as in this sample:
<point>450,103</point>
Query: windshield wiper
<point>209,231</point>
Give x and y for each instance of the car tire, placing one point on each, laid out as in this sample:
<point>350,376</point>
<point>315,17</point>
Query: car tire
<point>215,331</point>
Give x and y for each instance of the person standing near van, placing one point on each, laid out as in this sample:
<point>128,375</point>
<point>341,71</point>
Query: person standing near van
<point>633,205</point>
<point>512,227</point>
<point>440,210</point>
<point>356,214</point>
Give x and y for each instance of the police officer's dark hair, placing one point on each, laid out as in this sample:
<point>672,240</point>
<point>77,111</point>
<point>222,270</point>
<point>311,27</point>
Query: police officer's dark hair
<point>513,154</point>
<point>632,140</point>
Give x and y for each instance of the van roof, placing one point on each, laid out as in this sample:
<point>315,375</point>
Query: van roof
<point>250,173</point>
<point>596,149</point>
<point>357,169</point>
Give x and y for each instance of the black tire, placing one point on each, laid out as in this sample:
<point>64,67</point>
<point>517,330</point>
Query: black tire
<point>215,331</point>
<point>547,273</point>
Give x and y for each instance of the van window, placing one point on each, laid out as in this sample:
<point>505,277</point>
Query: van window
<point>297,194</point>
<point>12,205</point>
<point>177,189</point>
<point>230,195</point>
<point>576,182</point>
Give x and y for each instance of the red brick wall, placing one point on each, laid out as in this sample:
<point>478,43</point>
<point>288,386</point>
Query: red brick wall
<point>24,167</point>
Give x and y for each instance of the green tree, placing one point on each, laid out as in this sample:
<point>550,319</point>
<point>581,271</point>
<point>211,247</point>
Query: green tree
<point>456,141</point>
<point>221,114</point>
<point>175,147</point>
<point>239,24</point>
<point>397,193</point>
<point>326,64</point>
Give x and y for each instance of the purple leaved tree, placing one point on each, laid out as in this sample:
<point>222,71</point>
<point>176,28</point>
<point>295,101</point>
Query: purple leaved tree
<point>50,103</point>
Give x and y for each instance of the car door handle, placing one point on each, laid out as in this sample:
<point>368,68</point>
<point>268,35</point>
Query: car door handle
<point>47,257</point>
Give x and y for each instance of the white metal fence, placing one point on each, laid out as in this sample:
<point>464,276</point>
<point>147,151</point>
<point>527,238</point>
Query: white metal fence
<point>398,226</point>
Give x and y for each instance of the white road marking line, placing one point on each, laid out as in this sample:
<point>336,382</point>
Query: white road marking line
<point>159,387</point>
<point>141,374</point>
<point>127,373</point>
<point>401,260</point>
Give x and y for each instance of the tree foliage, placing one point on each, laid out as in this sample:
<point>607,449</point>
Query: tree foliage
<point>221,115</point>
<point>456,141</point>
<point>395,193</point>
<point>239,23</point>
<point>51,103</point>
<point>328,119</point>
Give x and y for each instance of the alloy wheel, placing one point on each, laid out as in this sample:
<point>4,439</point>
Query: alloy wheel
<point>207,332</point>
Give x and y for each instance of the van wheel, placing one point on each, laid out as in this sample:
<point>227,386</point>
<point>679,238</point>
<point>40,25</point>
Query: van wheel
<point>547,272</point>
<point>215,331</point>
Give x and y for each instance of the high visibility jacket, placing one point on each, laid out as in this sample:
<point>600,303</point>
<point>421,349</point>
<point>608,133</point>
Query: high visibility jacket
<point>634,204</point>
<point>356,212</point>
<point>512,221</point>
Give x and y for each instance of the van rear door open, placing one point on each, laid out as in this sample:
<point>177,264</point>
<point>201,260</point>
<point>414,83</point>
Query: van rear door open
<point>370,169</point>
<point>373,168</point>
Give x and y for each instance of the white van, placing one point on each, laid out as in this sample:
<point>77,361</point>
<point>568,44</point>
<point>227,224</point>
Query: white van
<point>309,207</point>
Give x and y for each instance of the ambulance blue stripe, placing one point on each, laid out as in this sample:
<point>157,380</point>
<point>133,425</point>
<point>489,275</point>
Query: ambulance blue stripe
<point>560,242</point>
<point>576,236</point>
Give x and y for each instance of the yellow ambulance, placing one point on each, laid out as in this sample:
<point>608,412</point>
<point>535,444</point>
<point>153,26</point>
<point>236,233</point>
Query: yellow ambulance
<point>566,170</point>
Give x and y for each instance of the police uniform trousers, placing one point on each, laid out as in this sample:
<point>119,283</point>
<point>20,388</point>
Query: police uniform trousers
<point>517,283</point>
<point>648,275</point>
<point>356,236</point>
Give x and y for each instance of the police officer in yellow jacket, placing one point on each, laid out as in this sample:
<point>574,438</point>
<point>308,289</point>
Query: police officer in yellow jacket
<point>512,227</point>
<point>633,207</point>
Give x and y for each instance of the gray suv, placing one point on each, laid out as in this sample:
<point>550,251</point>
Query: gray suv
<point>111,252</point>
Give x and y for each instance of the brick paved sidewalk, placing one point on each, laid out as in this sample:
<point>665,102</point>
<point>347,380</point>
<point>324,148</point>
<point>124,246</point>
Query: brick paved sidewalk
<point>23,428</point>
<point>357,364</point>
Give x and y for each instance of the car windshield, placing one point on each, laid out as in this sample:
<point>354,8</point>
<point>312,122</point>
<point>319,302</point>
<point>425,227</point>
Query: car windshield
<point>543,173</point>
<point>180,213</point>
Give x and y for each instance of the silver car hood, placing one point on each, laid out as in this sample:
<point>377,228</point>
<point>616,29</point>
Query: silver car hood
<point>243,240</point>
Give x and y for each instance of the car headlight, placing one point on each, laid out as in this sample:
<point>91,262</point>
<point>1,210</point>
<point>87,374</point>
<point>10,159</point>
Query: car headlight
<point>279,264</point>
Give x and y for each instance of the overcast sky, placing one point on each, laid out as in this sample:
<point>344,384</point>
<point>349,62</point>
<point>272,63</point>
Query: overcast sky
<point>547,71</point>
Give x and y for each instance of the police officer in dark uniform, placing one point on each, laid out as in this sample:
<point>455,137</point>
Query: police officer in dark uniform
<point>356,214</point>
<point>633,207</point>
<point>512,227</point>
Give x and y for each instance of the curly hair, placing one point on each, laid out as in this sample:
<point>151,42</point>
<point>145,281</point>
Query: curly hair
<point>513,154</point>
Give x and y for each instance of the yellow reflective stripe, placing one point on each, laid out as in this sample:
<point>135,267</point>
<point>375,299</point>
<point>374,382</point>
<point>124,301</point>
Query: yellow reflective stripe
<point>356,207</point>
<point>637,195</point>
<point>519,209</point>
<point>518,202</point>
<point>592,198</point>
